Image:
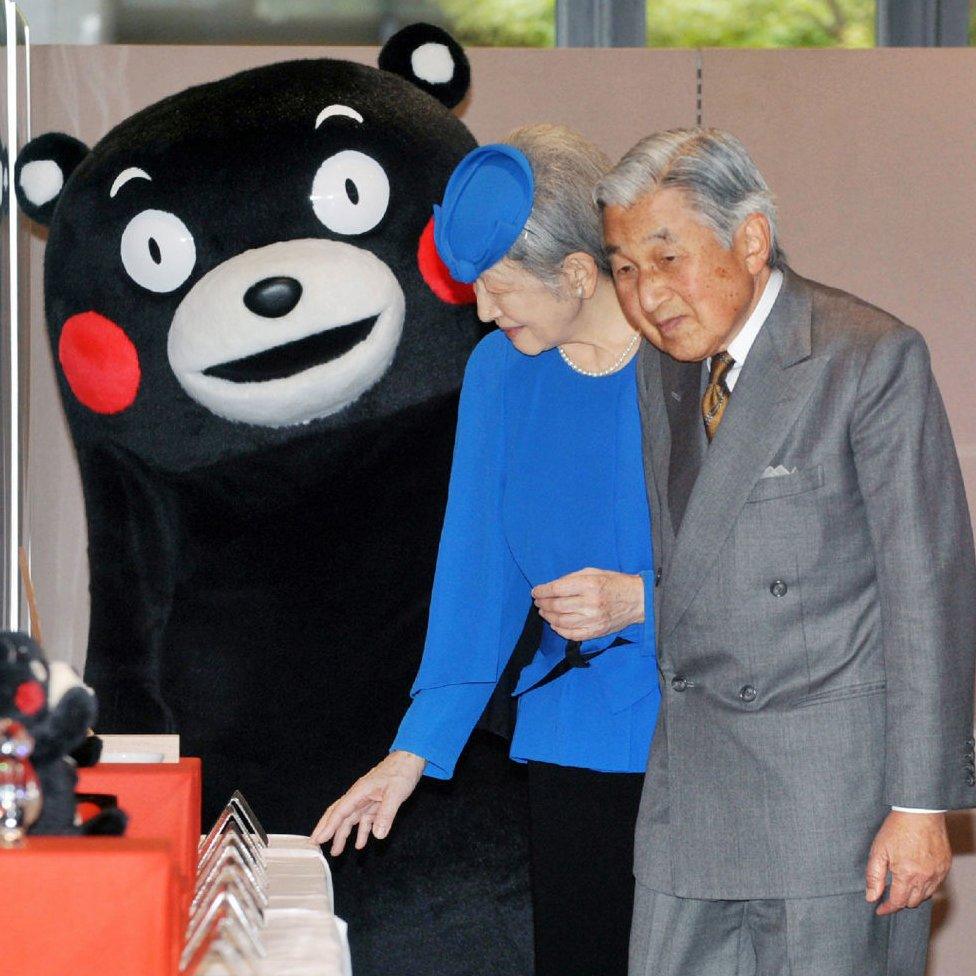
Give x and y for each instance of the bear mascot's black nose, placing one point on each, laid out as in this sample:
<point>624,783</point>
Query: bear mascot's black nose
<point>273,297</point>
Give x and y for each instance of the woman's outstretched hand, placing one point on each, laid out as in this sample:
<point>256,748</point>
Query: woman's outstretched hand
<point>371,802</point>
<point>590,603</point>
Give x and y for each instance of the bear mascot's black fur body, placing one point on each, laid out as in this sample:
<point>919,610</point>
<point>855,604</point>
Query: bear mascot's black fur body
<point>259,356</point>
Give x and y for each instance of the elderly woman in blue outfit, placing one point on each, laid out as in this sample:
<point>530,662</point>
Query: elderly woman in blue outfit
<point>546,504</point>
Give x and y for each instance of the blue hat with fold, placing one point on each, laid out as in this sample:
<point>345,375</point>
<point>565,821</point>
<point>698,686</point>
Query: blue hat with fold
<point>486,204</point>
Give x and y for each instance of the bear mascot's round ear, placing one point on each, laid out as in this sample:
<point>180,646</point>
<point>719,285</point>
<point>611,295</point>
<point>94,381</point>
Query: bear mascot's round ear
<point>42,169</point>
<point>431,59</point>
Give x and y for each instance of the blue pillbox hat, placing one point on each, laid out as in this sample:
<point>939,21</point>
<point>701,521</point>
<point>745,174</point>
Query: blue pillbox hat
<point>486,204</point>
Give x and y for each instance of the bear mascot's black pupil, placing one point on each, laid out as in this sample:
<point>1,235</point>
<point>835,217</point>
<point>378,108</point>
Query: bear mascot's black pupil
<point>154,252</point>
<point>352,192</point>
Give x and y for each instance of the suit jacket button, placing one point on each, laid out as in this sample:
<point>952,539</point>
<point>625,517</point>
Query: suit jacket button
<point>657,576</point>
<point>970,742</point>
<point>747,693</point>
<point>679,683</point>
<point>779,588</point>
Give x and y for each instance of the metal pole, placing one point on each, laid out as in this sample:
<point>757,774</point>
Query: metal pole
<point>12,526</point>
<point>922,23</point>
<point>601,23</point>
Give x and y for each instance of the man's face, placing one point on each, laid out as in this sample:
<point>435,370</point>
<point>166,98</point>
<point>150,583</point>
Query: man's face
<point>676,282</point>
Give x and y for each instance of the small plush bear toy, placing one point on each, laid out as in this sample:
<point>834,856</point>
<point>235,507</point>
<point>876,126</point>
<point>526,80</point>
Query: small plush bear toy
<point>57,730</point>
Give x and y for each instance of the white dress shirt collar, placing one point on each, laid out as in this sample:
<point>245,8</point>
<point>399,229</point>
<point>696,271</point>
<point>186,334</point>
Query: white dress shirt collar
<point>739,347</point>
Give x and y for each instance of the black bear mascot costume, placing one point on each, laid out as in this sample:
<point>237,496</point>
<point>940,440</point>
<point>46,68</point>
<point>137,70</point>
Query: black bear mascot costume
<point>259,354</point>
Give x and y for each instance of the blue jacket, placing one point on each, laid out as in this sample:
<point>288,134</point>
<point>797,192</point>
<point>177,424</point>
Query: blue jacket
<point>547,479</point>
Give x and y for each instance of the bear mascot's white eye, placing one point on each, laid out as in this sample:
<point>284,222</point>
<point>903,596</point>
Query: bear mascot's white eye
<point>158,251</point>
<point>350,192</point>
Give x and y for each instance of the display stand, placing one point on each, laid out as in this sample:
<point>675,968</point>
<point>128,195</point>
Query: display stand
<point>262,905</point>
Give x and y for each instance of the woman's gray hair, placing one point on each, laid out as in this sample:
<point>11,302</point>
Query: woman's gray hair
<point>564,218</point>
<point>712,167</point>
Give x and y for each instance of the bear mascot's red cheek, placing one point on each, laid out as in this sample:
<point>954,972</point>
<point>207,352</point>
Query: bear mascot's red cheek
<point>100,363</point>
<point>29,698</point>
<point>436,274</point>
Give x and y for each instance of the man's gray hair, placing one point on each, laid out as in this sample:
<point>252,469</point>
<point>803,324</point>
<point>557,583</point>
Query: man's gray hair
<point>564,218</point>
<point>712,167</point>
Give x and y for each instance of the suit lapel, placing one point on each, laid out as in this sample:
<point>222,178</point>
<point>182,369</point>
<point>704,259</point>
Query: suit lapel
<point>774,384</point>
<point>657,442</point>
<point>682,384</point>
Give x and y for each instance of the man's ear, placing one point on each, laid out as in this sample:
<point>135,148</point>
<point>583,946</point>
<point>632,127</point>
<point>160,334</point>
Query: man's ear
<point>431,59</point>
<point>754,238</point>
<point>42,169</point>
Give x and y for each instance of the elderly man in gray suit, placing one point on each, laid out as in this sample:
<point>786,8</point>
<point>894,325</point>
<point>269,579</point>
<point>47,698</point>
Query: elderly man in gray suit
<point>816,599</point>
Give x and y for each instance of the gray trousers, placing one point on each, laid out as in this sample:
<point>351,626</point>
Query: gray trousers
<point>836,935</point>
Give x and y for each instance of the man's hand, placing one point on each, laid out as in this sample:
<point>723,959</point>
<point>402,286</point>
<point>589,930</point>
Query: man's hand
<point>590,603</point>
<point>371,802</point>
<point>914,849</point>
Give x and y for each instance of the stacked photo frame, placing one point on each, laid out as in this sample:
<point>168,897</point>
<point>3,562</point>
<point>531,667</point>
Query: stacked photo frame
<point>231,894</point>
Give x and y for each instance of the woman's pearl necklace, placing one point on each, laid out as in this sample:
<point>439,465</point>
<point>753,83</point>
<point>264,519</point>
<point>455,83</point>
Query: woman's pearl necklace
<point>603,372</point>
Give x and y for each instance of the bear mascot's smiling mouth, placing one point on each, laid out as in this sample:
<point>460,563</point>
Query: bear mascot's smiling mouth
<point>294,357</point>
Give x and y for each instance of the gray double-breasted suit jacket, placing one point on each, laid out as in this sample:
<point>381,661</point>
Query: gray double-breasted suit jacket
<point>817,628</point>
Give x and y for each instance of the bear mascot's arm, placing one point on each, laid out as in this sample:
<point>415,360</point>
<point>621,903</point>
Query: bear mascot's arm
<point>142,546</point>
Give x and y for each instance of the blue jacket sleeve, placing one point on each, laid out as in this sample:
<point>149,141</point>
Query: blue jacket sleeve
<point>438,723</point>
<point>480,597</point>
<point>642,634</point>
<point>647,639</point>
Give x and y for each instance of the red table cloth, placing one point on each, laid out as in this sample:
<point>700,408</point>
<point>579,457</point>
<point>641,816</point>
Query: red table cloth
<point>90,906</point>
<point>162,801</point>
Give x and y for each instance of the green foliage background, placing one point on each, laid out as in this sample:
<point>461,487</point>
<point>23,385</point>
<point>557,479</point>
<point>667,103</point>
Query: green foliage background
<point>760,23</point>
<point>502,23</point>
<point>680,23</point>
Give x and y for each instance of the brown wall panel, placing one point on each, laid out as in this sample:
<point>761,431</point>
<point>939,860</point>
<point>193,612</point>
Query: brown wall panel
<point>611,96</point>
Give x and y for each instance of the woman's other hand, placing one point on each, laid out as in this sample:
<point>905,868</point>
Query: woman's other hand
<point>371,802</point>
<point>590,603</point>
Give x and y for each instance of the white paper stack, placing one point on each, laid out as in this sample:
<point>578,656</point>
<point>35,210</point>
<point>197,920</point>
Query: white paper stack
<point>140,748</point>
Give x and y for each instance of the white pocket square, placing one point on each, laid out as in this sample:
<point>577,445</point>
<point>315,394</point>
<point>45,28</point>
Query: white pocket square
<point>778,472</point>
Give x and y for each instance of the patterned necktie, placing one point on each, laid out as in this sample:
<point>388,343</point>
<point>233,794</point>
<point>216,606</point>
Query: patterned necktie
<point>717,394</point>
